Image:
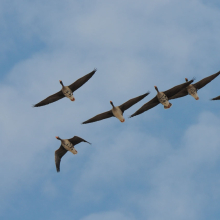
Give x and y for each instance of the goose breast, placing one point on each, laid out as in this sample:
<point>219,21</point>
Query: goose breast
<point>68,93</point>
<point>163,99</point>
<point>118,113</point>
<point>192,91</point>
<point>69,146</point>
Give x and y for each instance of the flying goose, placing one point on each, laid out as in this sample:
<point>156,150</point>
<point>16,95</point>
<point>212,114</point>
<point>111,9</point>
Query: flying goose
<point>192,89</point>
<point>161,97</point>
<point>66,91</point>
<point>66,145</point>
<point>216,98</point>
<point>117,111</point>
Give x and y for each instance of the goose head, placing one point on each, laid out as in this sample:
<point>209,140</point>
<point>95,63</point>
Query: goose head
<point>186,79</point>
<point>156,89</point>
<point>61,83</point>
<point>58,138</point>
<point>112,104</point>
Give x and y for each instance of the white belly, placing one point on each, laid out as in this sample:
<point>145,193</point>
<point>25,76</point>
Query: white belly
<point>118,113</point>
<point>163,100</point>
<point>166,104</point>
<point>68,93</point>
<point>69,146</point>
<point>192,91</point>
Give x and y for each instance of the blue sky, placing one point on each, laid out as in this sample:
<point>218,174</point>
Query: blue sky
<point>162,164</point>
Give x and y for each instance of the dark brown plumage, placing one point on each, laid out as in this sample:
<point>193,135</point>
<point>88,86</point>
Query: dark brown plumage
<point>58,155</point>
<point>59,95</point>
<point>216,98</point>
<point>197,85</point>
<point>68,143</point>
<point>154,102</point>
<point>122,107</point>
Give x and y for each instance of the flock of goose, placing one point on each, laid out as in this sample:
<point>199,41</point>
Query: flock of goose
<point>117,111</point>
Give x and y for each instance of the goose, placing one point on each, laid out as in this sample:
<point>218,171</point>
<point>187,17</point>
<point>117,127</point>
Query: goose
<point>66,91</point>
<point>116,111</point>
<point>66,145</point>
<point>216,98</point>
<point>161,97</point>
<point>193,88</point>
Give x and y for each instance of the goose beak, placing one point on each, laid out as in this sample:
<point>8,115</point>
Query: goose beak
<point>123,120</point>
<point>57,137</point>
<point>60,80</point>
<point>73,99</point>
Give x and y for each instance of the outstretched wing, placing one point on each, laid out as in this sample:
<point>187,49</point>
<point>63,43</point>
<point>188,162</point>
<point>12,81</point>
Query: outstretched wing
<point>216,98</point>
<point>53,98</point>
<point>76,140</point>
<point>79,82</point>
<point>152,103</point>
<point>182,93</point>
<point>58,155</point>
<point>131,102</point>
<point>173,91</point>
<point>99,117</point>
<point>205,81</point>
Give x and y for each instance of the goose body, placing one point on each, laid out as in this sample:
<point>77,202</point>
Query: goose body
<point>116,111</point>
<point>161,97</point>
<point>192,91</point>
<point>66,91</point>
<point>66,145</point>
<point>193,88</point>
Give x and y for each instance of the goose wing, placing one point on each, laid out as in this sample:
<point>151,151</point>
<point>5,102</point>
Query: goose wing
<point>76,140</point>
<point>79,82</point>
<point>131,102</point>
<point>216,98</point>
<point>53,98</point>
<point>99,117</point>
<point>152,103</point>
<point>170,93</point>
<point>182,93</point>
<point>205,81</point>
<point>58,155</point>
